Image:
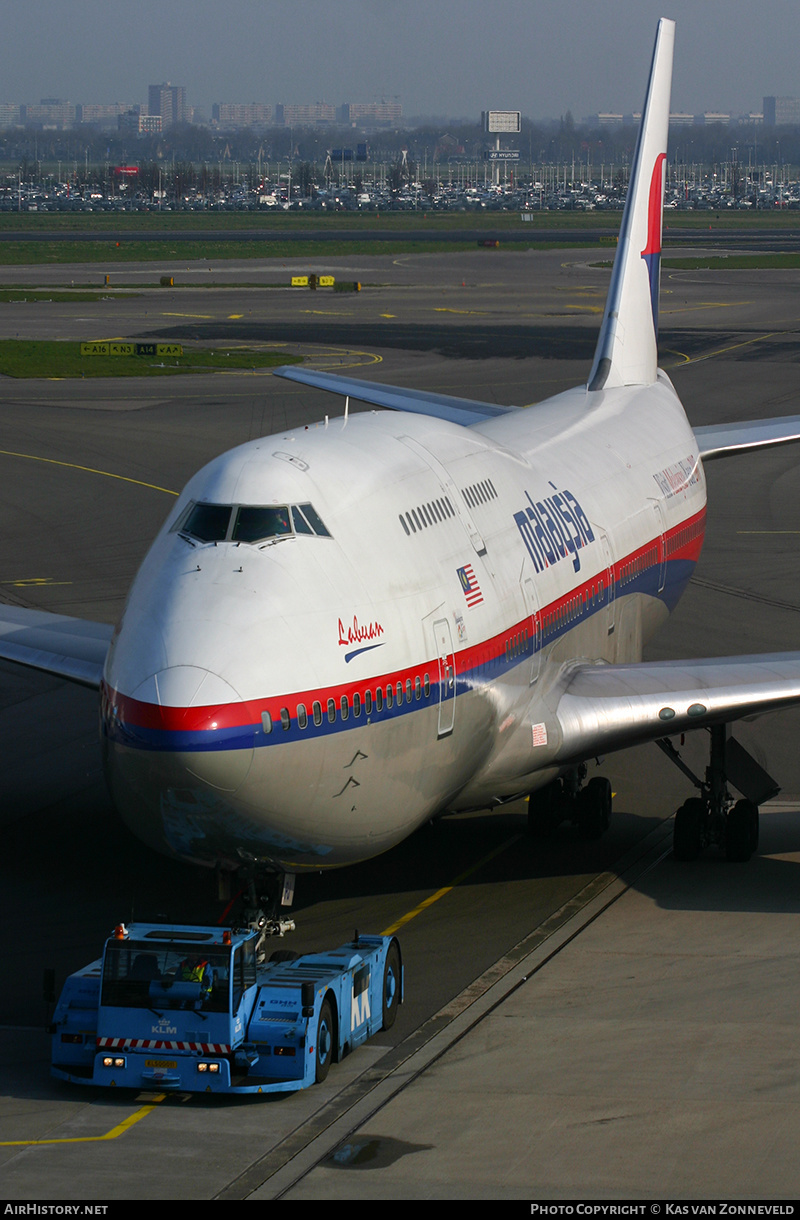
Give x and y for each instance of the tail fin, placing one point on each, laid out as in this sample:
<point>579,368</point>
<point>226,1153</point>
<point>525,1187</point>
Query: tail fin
<point>627,349</point>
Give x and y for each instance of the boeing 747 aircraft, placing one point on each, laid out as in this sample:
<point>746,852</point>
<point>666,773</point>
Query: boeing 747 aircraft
<point>435,605</point>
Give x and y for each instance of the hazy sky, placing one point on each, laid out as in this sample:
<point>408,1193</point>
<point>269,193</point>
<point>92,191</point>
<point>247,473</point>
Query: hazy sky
<point>443,57</point>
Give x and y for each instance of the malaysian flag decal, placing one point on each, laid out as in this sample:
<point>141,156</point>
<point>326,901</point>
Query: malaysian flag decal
<point>469,583</point>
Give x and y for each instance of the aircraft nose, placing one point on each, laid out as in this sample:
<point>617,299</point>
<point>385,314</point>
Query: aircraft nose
<point>185,687</point>
<point>203,722</point>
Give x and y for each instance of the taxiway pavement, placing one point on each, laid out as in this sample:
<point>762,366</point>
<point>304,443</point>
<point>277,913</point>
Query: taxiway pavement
<point>626,1064</point>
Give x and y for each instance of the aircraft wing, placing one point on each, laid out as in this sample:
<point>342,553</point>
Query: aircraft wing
<point>67,647</point>
<point>721,440</point>
<point>602,708</point>
<point>456,410</point>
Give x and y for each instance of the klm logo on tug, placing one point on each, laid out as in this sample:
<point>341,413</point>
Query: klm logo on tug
<point>553,528</point>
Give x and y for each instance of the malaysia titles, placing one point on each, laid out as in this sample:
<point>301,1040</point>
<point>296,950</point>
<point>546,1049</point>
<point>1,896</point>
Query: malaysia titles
<point>553,528</point>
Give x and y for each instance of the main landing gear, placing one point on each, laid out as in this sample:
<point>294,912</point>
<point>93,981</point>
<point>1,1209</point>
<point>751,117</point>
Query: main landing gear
<point>569,799</point>
<point>713,816</point>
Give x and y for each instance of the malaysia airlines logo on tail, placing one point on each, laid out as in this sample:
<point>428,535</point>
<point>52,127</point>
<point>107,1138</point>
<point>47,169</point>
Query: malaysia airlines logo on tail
<point>652,251</point>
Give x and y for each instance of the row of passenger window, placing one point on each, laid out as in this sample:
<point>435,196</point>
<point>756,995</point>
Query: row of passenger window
<point>517,645</point>
<point>568,612</point>
<point>426,514</point>
<point>572,609</point>
<point>685,535</point>
<point>634,567</point>
<point>392,696</point>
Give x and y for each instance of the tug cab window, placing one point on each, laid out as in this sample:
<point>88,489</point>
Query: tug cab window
<point>148,975</point>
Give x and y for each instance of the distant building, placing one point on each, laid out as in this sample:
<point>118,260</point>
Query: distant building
<point>103,116</point>
<point>779,111</point>
<point>304,116</point>
<point>711,116</point>
<point>139,124</point>
<point>10,114</point>
<point>447,147</point>
<point>676,119</point>
<point>233,115</point>
<point>169,101</point>
<point>371,114</point>
<point>50,112</point>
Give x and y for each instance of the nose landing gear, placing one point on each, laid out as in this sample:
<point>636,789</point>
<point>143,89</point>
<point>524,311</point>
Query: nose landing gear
<point>264,898</point>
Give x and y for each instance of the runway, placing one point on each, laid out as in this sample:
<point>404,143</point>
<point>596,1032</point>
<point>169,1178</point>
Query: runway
<point>635,1061</point>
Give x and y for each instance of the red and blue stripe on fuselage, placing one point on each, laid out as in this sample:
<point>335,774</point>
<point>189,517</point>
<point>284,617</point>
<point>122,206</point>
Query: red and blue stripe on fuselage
<point>236,726</point>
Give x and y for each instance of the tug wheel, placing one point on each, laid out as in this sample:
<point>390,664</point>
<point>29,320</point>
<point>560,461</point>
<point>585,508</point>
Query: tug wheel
<point>324,1043</point>
<point>391,986</point>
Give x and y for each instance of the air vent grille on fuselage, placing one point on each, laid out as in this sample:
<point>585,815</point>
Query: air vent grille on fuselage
<point>433,513</point>
<point>479,493</point>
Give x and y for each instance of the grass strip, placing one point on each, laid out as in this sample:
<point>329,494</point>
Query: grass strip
<point>24,253</point>
<point>15,254</point>
<point>735,262</point>
<point>54,295</point>
<point>24,358</point>
<point>312,223</point>
<point>109,252</point>
<point>315,222</point>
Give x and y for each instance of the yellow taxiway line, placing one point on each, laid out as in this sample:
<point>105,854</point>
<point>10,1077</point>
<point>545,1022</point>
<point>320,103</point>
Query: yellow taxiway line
<point>113,1134</point>
<point>468,872</point>
<point>32,457</point>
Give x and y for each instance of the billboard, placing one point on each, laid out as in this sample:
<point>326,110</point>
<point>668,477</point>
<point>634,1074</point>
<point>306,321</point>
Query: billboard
<point>501,120</point>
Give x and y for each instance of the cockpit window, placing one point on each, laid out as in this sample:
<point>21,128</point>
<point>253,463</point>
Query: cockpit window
<point>299,522</point>
<point>248,522</point>
<point>255,524</point>
<point>313,518</point>
<point>207,522</point>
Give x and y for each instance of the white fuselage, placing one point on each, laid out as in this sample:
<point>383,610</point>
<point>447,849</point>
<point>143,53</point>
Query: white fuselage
<point>309,698</point>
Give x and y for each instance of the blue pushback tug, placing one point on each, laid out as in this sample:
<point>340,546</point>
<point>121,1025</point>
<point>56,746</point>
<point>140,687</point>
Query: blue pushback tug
<point>194,1009</point>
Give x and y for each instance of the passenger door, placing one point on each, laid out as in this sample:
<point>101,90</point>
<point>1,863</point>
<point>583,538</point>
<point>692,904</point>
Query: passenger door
<point>443,641</point>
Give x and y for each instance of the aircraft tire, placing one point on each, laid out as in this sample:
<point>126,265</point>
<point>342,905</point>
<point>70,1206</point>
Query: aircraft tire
<point>741,831</point>
<point>601,788</point>
<point>755,829</point>
<point>283,955</point>
<point>324,1043</point>
<point>545,810</point>
<point>391,986</point>
<point>687,834</point>
<point>594,808</point>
